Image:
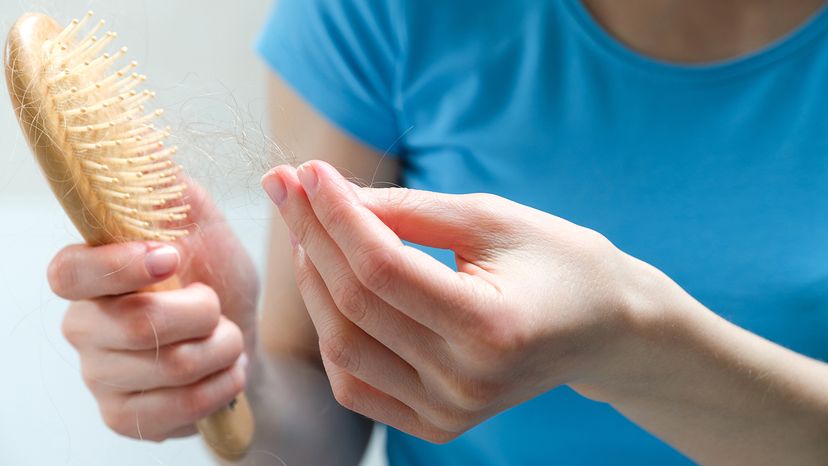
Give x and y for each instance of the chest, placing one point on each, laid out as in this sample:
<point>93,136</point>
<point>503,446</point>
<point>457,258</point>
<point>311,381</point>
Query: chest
<point>723,184</point>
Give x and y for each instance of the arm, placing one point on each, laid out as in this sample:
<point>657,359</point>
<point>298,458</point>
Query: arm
<point>290,394</point>
<point>536,302</point>
<point>719,393</point>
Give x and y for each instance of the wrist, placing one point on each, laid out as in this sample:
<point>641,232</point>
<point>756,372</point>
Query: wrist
<point>656,318</point>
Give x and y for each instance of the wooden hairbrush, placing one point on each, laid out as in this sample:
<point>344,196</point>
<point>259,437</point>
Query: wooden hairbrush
<point>106,162</point>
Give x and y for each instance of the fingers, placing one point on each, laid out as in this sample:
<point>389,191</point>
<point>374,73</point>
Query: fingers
<point>84,272</point>
<point>168,412</point>
<point>143,321</point>
<point>358,396</point>
<point>328,273</point>
<point>405,278</point>
<point>468,224</point>
<point>346,346</point>
<point>157,361</point>
<point>173,365</point>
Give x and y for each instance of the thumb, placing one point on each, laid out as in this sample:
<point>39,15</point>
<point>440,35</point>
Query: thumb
<point>459,222</point>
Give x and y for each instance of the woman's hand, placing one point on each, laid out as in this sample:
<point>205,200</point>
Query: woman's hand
<point>536,302</point>
<point>157,362</point>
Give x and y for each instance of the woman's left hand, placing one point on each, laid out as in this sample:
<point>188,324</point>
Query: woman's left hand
<point>536,301</point>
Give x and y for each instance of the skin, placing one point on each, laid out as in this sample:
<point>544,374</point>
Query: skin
<point>409,342</point>
<point>610,326</point>
<point>701,30</point>
<point>145,354</point>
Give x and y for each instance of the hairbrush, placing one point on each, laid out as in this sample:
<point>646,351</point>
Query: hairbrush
<point>87,125</point>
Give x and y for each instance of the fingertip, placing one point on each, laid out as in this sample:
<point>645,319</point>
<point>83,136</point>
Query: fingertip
<point>324,170</point>
<point>210,303</point>
<point>274,183</point>
<point>240,368</point>
<point>317,176</point>
<point>55,274</point>
<point>208,290</point>
<point>279,170</point>
<point>308,177</point>
<point>162,260</point>
<point>269,173</point>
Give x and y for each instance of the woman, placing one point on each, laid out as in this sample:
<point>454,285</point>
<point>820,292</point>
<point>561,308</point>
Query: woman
<point>689,134</point>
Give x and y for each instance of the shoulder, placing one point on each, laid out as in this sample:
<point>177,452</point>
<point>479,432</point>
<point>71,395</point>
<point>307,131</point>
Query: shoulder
<point>375,18</point>
<point>342,57</point>
<point>353,33</point>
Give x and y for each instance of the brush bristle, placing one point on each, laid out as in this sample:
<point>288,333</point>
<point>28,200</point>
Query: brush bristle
<point>111,133</point>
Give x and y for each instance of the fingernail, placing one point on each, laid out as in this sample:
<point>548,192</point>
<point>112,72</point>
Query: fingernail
<point>275,188</point>
<point>243,361</point>
<point>308,178</point>
<point>162,261</point>
<point>293,241</point>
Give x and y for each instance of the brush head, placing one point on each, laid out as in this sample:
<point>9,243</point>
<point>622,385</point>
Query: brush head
<point>85,119</point>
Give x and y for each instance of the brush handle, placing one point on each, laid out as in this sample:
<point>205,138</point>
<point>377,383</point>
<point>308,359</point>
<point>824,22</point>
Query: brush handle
<point>229,431</point>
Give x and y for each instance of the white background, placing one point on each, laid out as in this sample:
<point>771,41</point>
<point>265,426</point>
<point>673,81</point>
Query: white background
<point>199,58</point>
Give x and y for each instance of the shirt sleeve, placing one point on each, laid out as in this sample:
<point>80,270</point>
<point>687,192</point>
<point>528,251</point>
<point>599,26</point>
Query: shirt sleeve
<point>341,57</point>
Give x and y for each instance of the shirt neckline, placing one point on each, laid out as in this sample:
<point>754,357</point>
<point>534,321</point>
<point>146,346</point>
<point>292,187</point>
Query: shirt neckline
<point>778,49</point>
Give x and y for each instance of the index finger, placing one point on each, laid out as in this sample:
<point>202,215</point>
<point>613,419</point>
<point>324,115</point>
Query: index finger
<point>405,277</point>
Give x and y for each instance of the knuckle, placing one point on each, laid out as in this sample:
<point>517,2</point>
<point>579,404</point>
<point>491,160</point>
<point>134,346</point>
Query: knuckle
<point>153,437</point>
<point>351,300</point>
<point>336,216</point>
<point>338,348</point>
<point>374,268</point>
<point>138,318</point>
<point>234,339</point>
<point>448,419</point>
<point>209,306</point>
<point>501,341</point>
<point>345,393</point>
<point>473,395</point>
<point>594,238</point>
<point>485,205</point>
<point>439,437</point>
<point>226,346</point>
<point>496,337</point>
<point>119,421</point>
<point>72,331</point>
<point>303,228</point>
<point>486,210</point>
<point>238,381</point>
<point>482,199</point>
<point>204,398</point>
<point>302,272</point>
<point>62,274</point>
<point>92,379</point>
<point>197,402</point>
<point>473,308</point>
<point>180,364</point>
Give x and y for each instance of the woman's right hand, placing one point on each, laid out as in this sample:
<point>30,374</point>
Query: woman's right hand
<point>158,361</point>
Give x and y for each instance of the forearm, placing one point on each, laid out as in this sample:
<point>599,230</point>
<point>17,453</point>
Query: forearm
<point>723,395</point>
<point>297,418</point>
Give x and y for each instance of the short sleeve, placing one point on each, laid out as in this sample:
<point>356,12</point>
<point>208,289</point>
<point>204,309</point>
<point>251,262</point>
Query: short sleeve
<point>341,57</point>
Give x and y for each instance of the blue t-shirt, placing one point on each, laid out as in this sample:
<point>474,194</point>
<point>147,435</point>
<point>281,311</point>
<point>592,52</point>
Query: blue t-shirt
<point>716,174</point>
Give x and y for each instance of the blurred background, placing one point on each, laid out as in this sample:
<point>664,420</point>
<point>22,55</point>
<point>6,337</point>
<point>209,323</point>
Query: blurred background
<point>199,57</point>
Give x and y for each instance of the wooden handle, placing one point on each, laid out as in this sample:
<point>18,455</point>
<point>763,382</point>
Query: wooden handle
<point>228,431</point>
